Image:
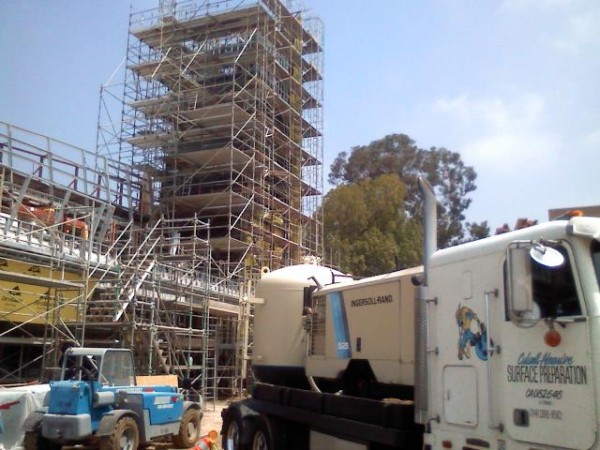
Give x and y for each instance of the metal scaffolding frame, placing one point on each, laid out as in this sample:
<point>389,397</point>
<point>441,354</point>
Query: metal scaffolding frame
<point>222,106</point>
<point>59,205</point>
<point>82,264</point>
<point>221,110</point>
<point>211,174</point>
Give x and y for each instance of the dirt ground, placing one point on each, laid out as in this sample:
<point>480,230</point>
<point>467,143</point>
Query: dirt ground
<point>212,418</point>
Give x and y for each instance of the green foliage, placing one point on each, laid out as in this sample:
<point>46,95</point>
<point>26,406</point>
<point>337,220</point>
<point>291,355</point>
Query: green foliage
<point>366,229</point>
<point>398,154</point>
<point>478,230</point>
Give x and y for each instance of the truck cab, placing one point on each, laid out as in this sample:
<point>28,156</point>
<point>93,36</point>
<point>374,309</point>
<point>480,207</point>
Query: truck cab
<point>512,339</point>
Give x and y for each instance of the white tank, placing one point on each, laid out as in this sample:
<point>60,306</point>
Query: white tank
<point>279,338</point>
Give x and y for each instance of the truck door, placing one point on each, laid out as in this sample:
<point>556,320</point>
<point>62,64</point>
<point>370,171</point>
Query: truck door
<point>547,385</point>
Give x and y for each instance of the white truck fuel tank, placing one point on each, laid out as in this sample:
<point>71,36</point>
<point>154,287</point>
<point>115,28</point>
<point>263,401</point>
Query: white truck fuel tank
<point>280,341</point>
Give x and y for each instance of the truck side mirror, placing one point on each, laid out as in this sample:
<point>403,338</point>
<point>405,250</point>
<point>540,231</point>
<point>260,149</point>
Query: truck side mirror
<point>522,308</point>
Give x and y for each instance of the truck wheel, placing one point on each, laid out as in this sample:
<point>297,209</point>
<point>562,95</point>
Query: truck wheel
<point>260,440</point>
<point>232,430</point>
<point>189,429</point>
<point>125,436</point>
<point>267,434</point>
<point>33,440</point>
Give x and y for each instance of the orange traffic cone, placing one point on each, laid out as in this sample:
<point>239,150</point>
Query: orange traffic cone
<point>207,442</point>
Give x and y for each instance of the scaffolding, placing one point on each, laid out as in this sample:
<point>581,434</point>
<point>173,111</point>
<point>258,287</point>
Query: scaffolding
<point>222,108</point>
<point>210,176</point>
<point>82,264</point>
<point>59,205</point>
<point>158,303</point>
<point>221,111</point>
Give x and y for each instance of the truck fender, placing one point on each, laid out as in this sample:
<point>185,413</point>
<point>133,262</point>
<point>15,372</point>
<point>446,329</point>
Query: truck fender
<point>34,420</point>
<point>110,419</point>
<point>192,405</point>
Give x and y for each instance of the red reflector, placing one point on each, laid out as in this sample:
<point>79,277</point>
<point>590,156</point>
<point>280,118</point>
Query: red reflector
<point>174,399</point>
<point>148,389</point>
<point>552,338</point>
<point>447,444</point>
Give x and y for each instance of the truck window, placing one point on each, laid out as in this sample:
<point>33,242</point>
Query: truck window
<point>596,259</point>
<point>553,288</point>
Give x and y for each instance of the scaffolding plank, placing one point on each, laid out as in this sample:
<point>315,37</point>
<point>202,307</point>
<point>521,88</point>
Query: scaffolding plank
<point>215,157</point>
<point>163,32</point>
<point>225,201</point>
<point>223,307</point>
<point>15,277</point>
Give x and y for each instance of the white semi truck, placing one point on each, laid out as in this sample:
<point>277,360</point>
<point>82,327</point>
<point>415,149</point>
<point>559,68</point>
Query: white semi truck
<point>493,344</point>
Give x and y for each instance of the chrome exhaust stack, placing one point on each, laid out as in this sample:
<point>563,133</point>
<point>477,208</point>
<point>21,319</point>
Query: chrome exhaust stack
<point>429,222</point>
<point>421,321</point>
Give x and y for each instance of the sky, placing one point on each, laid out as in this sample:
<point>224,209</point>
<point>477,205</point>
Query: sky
<point>511,85</point>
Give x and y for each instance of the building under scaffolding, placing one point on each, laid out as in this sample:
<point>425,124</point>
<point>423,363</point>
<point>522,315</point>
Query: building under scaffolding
<point>80,266</point>
<point>212,176</point>
<point>222,109</point>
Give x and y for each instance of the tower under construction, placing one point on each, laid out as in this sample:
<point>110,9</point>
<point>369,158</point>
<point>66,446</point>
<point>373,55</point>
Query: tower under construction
<point>222,112</point>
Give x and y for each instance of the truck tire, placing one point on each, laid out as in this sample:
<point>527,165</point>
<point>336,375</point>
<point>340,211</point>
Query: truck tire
<point>125,436</point>
<point>33,440</point>
<point>189,429</point>
<point>267,434</point>
<point>232,430</point>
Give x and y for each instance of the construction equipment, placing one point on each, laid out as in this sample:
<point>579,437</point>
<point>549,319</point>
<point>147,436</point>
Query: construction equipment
<point>492,344</point>
<point>97,401</point>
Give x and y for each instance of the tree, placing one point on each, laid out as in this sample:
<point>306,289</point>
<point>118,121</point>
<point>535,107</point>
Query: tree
<point>478,230</point>
<point>366,228</point>
<point>451,179</point>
